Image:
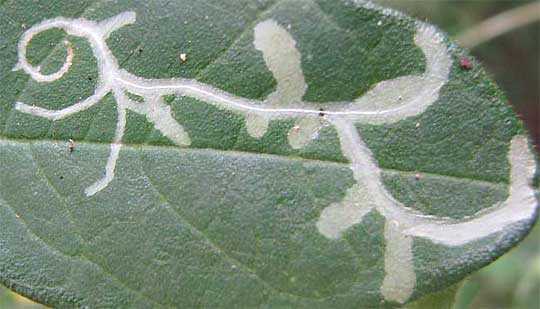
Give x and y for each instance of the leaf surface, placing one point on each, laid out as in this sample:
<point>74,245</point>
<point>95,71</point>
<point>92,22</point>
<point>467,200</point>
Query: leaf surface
<point>248,154</point>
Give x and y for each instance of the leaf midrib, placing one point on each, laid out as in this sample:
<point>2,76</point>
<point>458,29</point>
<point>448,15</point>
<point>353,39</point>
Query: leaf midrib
<point>412,173</point>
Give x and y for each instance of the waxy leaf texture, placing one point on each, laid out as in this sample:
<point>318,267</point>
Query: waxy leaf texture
<point>248,154</point>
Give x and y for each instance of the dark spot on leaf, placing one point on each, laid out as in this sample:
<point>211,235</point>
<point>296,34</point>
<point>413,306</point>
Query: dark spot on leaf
<point>465,62</point>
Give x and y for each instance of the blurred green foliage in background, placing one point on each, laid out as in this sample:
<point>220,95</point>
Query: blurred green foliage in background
<point>513,281</point>
<point>512,59</point>
<point>10,300</point>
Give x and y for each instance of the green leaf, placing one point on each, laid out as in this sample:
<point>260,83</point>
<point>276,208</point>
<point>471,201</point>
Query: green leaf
<point>444,299</point>
<point>248,154</point>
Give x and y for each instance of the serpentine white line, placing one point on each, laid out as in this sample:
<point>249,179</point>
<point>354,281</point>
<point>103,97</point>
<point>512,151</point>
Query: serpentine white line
<point>403,223</point>
<point>388,101</point>
<point>291,86</point>
<point>519,206</point>
<point>400,278</point>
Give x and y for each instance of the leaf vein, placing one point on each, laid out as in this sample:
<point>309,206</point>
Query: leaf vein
<point>78,232</point>
<point>174,211</point>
